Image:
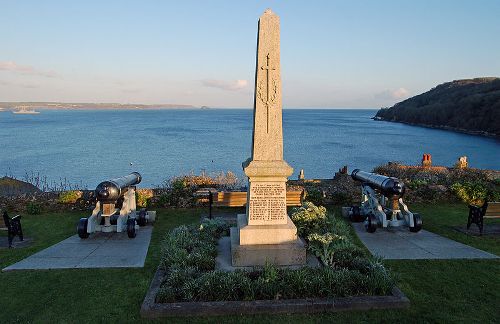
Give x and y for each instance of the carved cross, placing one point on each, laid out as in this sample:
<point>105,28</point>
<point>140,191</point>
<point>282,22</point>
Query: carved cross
<point>268,68</point>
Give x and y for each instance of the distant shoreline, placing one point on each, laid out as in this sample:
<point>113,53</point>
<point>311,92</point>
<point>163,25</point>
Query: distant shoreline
<point>442,127</point>
<point>89,105</point>
<point>10,106</point>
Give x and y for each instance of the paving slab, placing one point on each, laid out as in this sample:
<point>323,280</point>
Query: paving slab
<point>399,243</point>
<point>100,250</point>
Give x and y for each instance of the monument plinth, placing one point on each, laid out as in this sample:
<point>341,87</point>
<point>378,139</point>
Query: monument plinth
<point>266,233</point>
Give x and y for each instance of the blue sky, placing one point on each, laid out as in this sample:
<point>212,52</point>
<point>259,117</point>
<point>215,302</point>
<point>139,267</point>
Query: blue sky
<point>334,54</point>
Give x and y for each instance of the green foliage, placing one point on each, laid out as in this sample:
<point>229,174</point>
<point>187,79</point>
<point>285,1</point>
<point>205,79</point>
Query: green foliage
<point>309,218</point>
<point>315,196</point>
<point>342,199</point>
<point>271,282</point>
<point>216,227</point>
<point>444,184</point>
<point>33,208</point>
<point>69,196</point>
<point>179,191</point>
<point>472,104</point>
<point>472,193</point>
<point>339,226</point>
<point>194,246</point>
<point>142,199</point>
<point>416,184</point>
<point>322,245</point>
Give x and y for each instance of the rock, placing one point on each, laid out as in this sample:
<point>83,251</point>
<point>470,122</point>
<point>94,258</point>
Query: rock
<point>11,187</point>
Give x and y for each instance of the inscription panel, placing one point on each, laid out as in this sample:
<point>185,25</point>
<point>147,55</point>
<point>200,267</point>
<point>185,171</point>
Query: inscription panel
<point>267,203</point>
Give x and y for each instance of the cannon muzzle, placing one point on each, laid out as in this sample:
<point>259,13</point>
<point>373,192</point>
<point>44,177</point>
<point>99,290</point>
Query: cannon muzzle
<point>388,186</point>
<point>112,190</point>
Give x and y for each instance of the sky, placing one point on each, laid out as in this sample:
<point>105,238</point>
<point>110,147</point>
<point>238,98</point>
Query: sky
<point>334,54</point>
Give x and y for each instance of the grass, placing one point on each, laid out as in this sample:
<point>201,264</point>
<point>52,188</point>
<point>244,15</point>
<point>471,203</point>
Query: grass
<point>439,290</point>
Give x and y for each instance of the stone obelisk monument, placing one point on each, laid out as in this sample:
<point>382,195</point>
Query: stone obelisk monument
<point>266,233</point>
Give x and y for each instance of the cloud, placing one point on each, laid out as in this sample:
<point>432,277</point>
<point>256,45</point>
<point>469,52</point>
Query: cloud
<point>397,94</point>
<point>25,69</point>
<point>225,85</point>
<point>20,85</point>
<point>400,93</point>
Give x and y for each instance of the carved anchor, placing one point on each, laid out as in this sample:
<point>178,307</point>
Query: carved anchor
<point>269,98</point>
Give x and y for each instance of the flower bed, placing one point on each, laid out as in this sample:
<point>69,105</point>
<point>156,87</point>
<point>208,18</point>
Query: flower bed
<point>188,262</point>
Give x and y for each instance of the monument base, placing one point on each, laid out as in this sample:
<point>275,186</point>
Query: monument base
<point>265,234</point>
<point>292,253</point>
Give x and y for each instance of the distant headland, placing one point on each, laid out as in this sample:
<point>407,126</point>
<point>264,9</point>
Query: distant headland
<point>88,105</point>
<point>469,105</point>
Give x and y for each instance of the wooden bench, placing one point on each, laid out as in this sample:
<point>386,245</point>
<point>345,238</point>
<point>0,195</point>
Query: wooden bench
<point>239,198</point>
<point>478,214</point>
<point>13,226</point>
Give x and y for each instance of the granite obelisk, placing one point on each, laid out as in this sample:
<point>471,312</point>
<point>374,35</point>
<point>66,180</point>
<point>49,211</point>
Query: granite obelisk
<point>266,233</point>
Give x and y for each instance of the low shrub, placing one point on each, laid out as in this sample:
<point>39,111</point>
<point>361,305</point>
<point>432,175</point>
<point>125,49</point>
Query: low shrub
<point>434,184</point>
<point>342,199</point>
<point>322,245</point>
<point>143,197</point>
<point>472,193</point>
<point>309,218</point>
<point>179,191</point>
<point>33,208</point>
<point>315,196</point>
<point>69,196</point>
<point>416,184</point>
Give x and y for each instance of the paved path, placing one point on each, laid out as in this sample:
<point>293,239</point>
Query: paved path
<point>100,250</point>
<point>400,243</point>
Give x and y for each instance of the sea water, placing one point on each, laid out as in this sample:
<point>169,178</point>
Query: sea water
<point>88,146</point>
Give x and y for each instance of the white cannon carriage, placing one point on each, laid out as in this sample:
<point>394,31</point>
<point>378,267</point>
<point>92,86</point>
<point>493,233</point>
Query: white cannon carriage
<point>382,203</point>
<point>115,210</point>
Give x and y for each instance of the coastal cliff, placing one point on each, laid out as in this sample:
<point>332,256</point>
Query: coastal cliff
<point>469,105</point>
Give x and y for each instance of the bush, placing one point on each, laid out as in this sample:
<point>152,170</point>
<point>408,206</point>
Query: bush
<point>179,191</point>
<point>472,193</point>
<point>309,219</point>
<point>322,245</point>
<point>315,196</point>
<point>214,228</point>
<point>417,183</point>
<point>69,196</point>
<point>33,208</point>
<point>143,197</point>
<point>187,246</point>
<point>342,199</point>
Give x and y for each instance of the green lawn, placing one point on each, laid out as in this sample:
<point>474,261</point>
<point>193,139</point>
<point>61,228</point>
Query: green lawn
<point>440,291</point>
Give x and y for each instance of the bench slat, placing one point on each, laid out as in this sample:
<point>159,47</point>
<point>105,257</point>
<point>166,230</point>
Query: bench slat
<point>239,198</point>
<point>493,210</point>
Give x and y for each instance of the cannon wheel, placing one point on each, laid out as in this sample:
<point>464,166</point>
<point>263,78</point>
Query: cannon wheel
<point>131,227</point>
<point>141,220</point>
<point>82,228</point>
<point>371,223</point>
<point>417,221</point>
<point>355,215</point>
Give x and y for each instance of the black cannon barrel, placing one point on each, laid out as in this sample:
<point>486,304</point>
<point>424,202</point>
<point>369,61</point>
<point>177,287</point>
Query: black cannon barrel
<point>388,186</point>
<point>111,190</point>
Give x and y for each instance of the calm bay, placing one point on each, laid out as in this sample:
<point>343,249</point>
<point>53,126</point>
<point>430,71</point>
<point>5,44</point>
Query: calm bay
<point>88,146</point>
